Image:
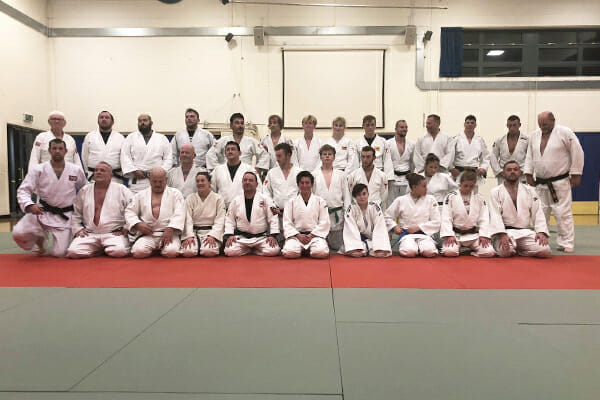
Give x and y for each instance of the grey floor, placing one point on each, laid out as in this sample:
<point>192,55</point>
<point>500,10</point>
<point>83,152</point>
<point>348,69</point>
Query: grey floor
<point>300,344</point>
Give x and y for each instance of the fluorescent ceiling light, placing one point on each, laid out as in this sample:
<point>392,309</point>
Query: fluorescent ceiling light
<point>495,53</point>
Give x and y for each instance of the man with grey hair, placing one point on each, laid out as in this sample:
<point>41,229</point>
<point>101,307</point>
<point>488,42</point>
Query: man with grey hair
<point>98,217</point>
<point>184,176</point>
<point>556,158</point>
<point>39,151</point>
<point>143,150</point>
<point>155,218</point>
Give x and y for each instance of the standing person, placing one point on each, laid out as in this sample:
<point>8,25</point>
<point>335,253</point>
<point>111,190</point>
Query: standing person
<point>470,152</point>
<point>401,152</point>
<point>249,147</point>
<point>383,160</point>
<point>332,186</point>
<point>251,227</point>
<point>306,148</point>
<point>512,146</point>
<point>98,229</point>
<point>439,184</point>
<point>365,229</point>
<point>155,218</point>
<point>466,220</point>
<point>435,142</point>
<point>201,139</point>
<point>556,158</point>
<point>41,144</point>
<point>143,150</point>
<point>204,220</point>
<point>56,183</point>
<point>418,219</point>
<point>373,177</point>
<point>306,222</point>
<point>275,137</point>
<point>103,144</point>
<point>346,155</point>
<point>183,177</point>
<point>227,178</point>
<point>514,209</point>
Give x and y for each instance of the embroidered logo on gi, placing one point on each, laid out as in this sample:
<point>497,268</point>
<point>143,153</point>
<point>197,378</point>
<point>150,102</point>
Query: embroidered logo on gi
<point>265,182</point>
<point>73,178</point>
<point>38,144</point>
<point>377,148</point>
<point>344,147</point>
<point>262,204</point>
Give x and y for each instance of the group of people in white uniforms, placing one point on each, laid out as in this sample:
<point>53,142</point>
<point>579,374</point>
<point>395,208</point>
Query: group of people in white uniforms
<point>332,180</point>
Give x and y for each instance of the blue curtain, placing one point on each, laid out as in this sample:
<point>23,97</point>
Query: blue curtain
<point>451,52</point>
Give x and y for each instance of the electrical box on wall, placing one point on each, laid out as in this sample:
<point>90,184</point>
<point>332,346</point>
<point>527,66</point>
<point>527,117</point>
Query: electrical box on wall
<point>27,118</point>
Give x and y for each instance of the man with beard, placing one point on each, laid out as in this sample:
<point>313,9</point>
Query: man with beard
<point>56,183</point>
<point>155,218</point>
<point>142,151</point>
<point>201,139</point>
<point>103,144</point>
<point>98,217</point>
<point>39,151</point>
<point>514,208</point>
<point>435,142</point>
<point>374,178</point>
<point>184,176</point>
<point>401,151</point>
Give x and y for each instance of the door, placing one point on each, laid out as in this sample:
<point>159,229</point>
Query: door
<point>20,142</point>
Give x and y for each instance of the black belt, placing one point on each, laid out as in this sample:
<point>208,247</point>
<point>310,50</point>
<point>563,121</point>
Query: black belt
<point>56,210</point>
<point>114,171</point>
<point>237,232</point>
<point>440,203</point>
<point>364,239</point>
<point>462,169</point>
<point>548,182</point>
<point>466,231</point>
<point>513,227</point>
<point>202,228</point>
<point>305,232</point>
<point>401,173</point>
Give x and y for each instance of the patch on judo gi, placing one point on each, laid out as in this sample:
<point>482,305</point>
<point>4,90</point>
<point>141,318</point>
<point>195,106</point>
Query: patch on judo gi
<point>261,204</point>
<point>38,144</point>
<point>377,148</point>
<point>344,147</point>
<point>265,182</point>
<point>73,178</point>
<point>435,204</point>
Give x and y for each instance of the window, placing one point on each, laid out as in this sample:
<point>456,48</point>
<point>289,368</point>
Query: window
<point>510,53</point>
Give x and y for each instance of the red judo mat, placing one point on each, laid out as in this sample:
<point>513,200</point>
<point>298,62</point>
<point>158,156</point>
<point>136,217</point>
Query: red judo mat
<point>558,272</point>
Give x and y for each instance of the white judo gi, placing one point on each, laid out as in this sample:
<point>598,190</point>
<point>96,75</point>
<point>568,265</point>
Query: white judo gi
<point>249,147</point>
<point>203,218</point>
<point>440,185</point>
<point>442,146</point>
<point>251,236</point>
<point>403,164</point>
<point>423,212</point>
<point>41,179</point>
<point>346,155</point>
<point>563,156</point>
<point>280,189</point>
<point>500,155</point>
<point>187,185</point>
<point>300,217</point>
<point>307,158</point>
<point>378,185</point>
<point>172,215</point>
<point>228,188</point>
<point>472,155</point>
<point>100,238</point>
<point>40,153</point>
<point>504,218</point>
<point>95,150</point>
<point>137,155</point>
<point>338,199</point>
<point>366,231</point>
<point>457,221</point>
<point>202,141</point>
<point>383,159</point>
<point>267,144</point>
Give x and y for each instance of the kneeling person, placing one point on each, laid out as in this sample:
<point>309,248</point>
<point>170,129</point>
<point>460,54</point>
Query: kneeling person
<point>156,218</point>
<point>466,220</point>
<point>251,226</point>
<point>306,221</point>
<point>365,230</point>
<point>204,221</point>
<point>513,207</point>
<point>99,229</point>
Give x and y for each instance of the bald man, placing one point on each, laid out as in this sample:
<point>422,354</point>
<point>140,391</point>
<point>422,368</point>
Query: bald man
<point>183,177</point>
<point>155,218</point>
<point>555,157</point>
<point>39,151</point>
<point>143,150</point>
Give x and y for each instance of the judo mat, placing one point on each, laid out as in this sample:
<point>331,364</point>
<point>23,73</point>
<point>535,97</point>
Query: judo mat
<point>558,272</point>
